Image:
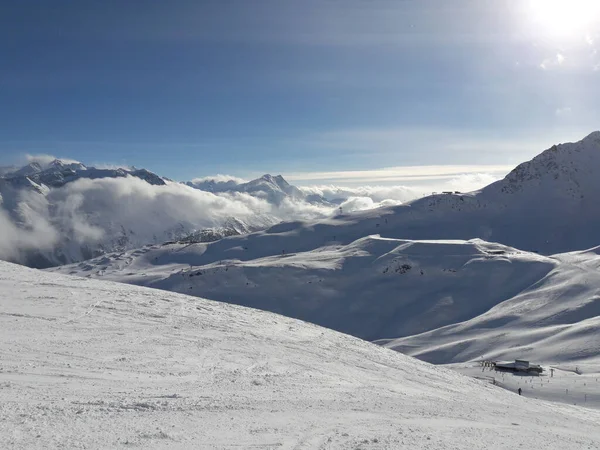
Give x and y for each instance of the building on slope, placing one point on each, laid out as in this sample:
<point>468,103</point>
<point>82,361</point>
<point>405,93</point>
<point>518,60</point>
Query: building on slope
<point>519,365</point>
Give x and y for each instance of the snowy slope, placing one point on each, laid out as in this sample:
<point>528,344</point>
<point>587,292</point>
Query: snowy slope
<point>88,364</point>
<point>573,384</point>
<point>547,205</point>
<point>473,297</point>
<point>372,288</point>
<point>556,320</point>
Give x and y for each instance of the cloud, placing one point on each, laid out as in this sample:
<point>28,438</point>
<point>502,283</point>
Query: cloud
<point>589,39</point>
<point>400,174</point>
<point>87,216</point>
<point>376,194</point>
<point>471,182</point>
<point>219,179</point>
<point>367,197</point>
<point>69,223</point>
<point>563,112</point>
<point>555,61</point>
<point>27,228</point>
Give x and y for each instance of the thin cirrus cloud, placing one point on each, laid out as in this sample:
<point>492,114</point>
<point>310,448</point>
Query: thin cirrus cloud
<point>400,174</point>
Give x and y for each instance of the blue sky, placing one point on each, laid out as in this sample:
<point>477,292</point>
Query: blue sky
<point>193,88</point>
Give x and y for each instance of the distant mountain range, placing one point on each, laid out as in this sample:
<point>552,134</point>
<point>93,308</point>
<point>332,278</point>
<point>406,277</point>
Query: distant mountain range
<point>463,268</point>
<point>274,189</point>
<point>59,173</point>
<point>64,211</point>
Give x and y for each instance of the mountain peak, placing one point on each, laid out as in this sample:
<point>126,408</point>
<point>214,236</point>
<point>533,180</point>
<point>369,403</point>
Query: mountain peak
<point>594,136</point>
<point>30,169</point>
<point>275,179</point>
<point>60,164</point>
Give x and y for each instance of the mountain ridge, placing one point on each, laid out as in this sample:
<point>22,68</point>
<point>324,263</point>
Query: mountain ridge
<point>67,211</point>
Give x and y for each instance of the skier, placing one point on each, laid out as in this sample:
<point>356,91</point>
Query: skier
<point>519,391</point>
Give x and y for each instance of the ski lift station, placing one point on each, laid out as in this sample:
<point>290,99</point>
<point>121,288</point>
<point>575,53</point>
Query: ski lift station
<point>519,366</point>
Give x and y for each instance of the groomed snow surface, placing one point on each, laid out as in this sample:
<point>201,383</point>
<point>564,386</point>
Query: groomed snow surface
<point>575,384</point>
<point>91,364</point>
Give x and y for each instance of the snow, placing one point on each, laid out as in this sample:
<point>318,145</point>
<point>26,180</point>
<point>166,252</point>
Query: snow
<point>570,384</point>
<point>440,301</point>
<point>557,319</point>
<point>274,189</point>
<point>546,205</point>
<point>94,364</point>
<point>85,211</point>
<point>352,288</point>
<point>406,277</point>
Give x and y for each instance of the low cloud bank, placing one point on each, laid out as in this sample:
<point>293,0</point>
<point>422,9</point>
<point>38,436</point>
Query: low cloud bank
<point>374,194</point>
<point>88,216</point>
<point>111,213</point>
<point>219,178</point>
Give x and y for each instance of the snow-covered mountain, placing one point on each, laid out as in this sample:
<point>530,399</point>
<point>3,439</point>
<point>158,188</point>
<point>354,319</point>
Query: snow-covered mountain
<point>371,275</point>
<point>89,364</point>
<point>371,288</point>
<point>58,173</point>
<point>547,205</point>
<point>62,211</point>
<point>473,298</point>
<point>557,319</point>
<point>274,189</point>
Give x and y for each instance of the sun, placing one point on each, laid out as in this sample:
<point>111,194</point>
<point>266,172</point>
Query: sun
<point>565,18</point>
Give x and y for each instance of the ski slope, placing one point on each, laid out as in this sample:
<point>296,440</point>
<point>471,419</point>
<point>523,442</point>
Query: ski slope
<point>556,320</point>
<point>574,384</point>
<point>90,364</point>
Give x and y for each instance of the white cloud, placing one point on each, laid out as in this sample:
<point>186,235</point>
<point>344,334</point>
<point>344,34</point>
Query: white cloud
<point>104,213</point>
<point>563,112</point>
<point>99,213</point>
<point>589,39</point>
<point>366,197</point>
<point>219,178</point>
<point>471,182</point>
<point>554,61</point>
<point>376,194</point>
<point>27,228</point>
<point>399,174</point>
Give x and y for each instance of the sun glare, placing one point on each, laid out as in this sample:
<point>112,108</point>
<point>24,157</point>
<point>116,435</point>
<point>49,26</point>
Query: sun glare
<point>566,18</point>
